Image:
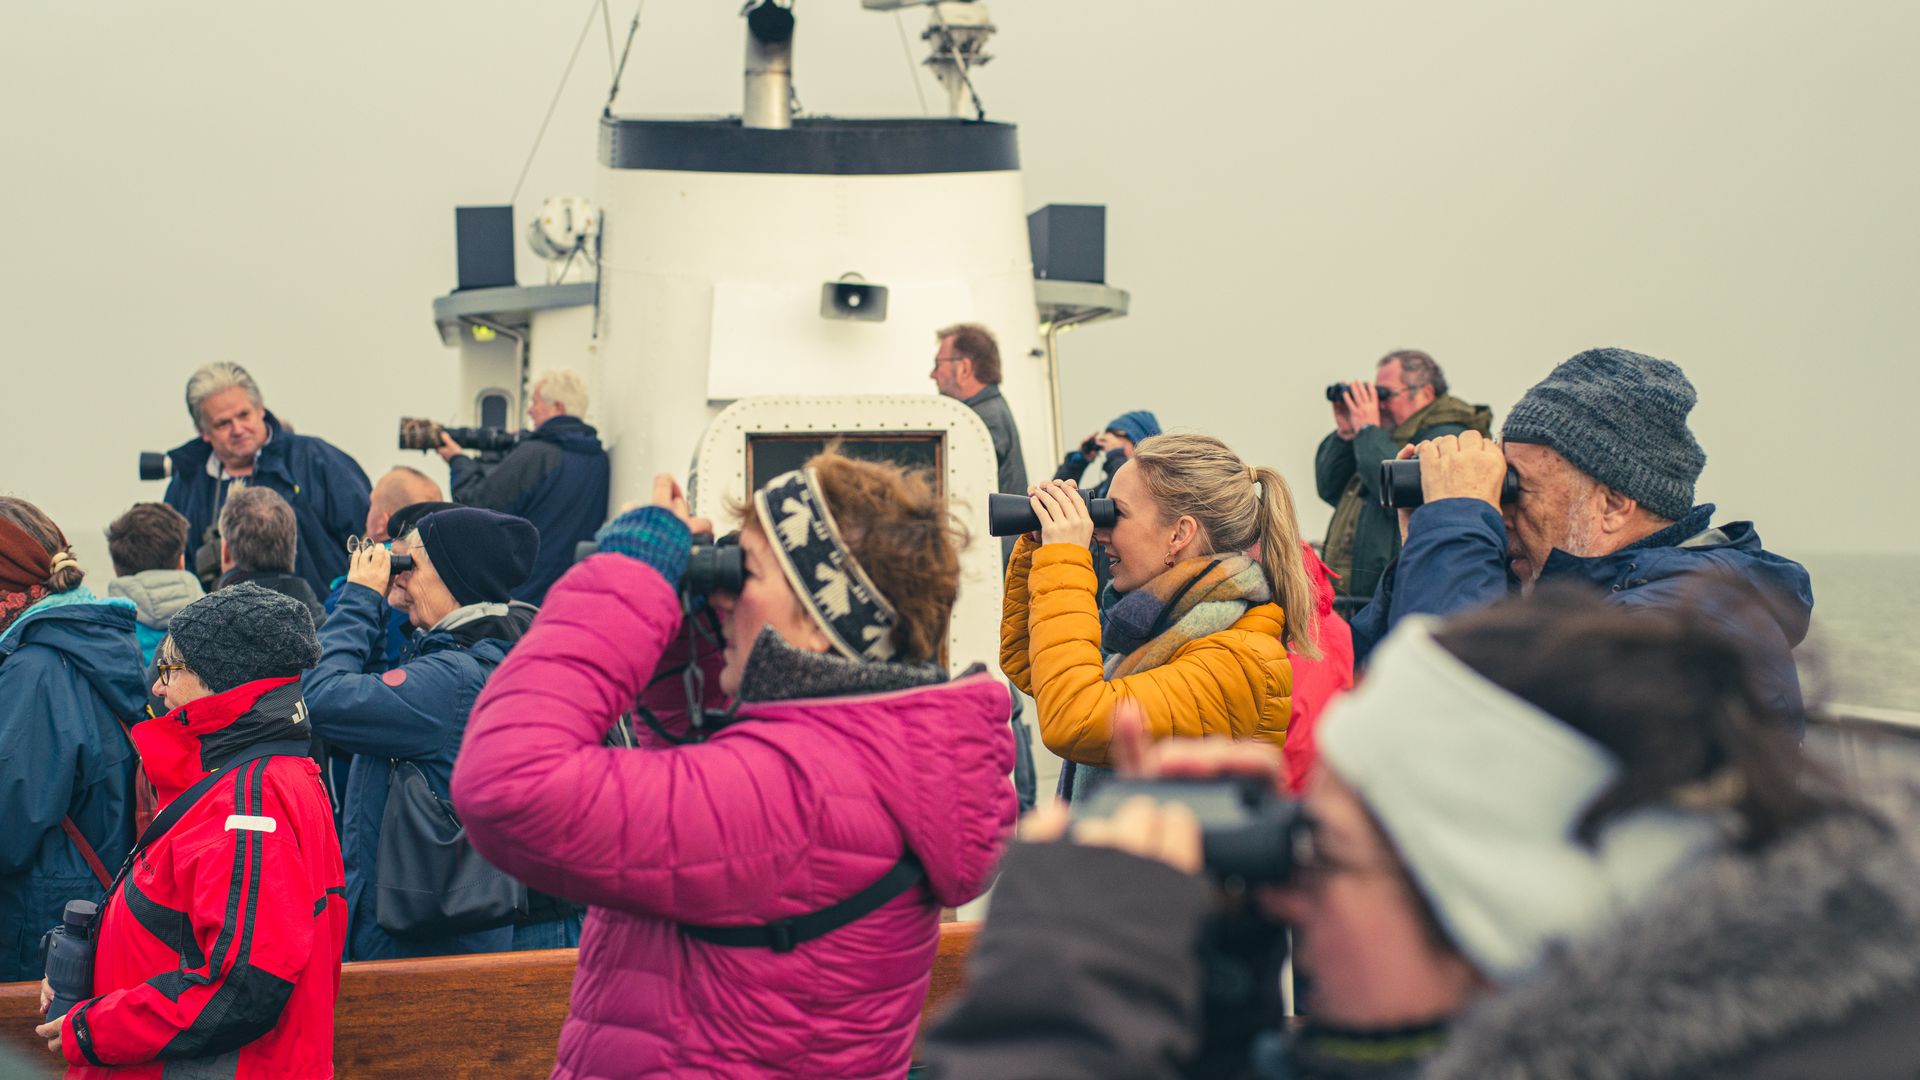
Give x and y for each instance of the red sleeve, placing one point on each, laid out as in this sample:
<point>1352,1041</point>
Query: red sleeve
<point>251,919</point>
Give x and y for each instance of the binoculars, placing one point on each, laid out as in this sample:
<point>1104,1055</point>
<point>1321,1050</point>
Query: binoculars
<point>1400,484</point>
<point>714,566</point>
<point>1247,830</point>
<point>398,564</point>
<point>67,952</point>
<point>1011,515</point>
<point>419,433</point>
<point>1337,393</point>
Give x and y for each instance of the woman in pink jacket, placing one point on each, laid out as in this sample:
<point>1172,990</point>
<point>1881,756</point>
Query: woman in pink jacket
<point>765,901</point>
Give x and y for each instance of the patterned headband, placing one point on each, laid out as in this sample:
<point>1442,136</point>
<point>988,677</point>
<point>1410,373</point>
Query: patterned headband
<point>832,586</point>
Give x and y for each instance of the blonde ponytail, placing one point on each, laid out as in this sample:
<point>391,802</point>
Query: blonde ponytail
<point>1239,507</point>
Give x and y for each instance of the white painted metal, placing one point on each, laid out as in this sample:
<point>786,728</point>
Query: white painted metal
<point>720,481</point>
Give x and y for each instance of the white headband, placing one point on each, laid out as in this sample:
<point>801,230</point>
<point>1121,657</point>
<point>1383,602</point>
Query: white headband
<point>1480,792</point>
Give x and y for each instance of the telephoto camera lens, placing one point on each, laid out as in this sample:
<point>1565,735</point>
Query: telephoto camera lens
<point>1011,515</point>
<point>1400,484</point>
<point>155,466</point>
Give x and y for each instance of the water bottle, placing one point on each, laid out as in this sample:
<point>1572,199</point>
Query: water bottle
<point>68,952</point>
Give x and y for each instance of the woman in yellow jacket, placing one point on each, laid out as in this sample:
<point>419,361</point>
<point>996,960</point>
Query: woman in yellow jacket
<point>1205,555</point>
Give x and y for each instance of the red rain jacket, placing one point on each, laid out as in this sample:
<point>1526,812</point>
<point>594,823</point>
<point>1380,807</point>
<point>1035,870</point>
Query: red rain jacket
<point>219,951</point>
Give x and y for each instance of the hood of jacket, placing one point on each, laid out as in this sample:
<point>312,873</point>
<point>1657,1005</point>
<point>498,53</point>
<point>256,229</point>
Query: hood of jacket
<point>200,736</point>
<point>940,753</point>
<point>1693,545</point>
<point>95,636</point>
<point>1445,409</point>
<point>1749,951</point>
<point>157,594</point>
<point>486,629</point>
<point>569,433</point>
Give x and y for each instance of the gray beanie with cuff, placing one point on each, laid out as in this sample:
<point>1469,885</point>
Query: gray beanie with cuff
<point>244,633</point>
<point>1621,418</point>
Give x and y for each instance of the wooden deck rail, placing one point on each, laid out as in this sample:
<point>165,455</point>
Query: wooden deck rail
<point>489,1015</point>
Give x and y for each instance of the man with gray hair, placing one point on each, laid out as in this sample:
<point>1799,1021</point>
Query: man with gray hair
<point>1606,465</point>
<point>259,542</point>
<point>241,444</point>
<point>556,478</point>
<point>1406,401</point>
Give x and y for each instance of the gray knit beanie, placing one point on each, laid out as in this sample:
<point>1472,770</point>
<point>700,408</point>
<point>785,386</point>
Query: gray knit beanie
<point>242,633</point>
<point>1621,418</point>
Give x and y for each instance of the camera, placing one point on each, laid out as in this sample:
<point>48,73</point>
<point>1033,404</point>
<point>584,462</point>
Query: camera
<point>1247,830</point>
<point>1400,484</point>
<point>1011,515</point>
<point>67,952</point>
<point>155,465</point>
<point>419,433</point>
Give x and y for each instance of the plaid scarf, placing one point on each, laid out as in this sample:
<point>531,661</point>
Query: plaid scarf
<point>1190,600</point>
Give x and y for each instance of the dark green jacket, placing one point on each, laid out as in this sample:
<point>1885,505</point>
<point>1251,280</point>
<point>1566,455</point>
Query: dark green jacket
<point>1364,536</point>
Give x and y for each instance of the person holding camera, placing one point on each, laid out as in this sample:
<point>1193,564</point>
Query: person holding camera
<point>556,477</point>
<point>242,444</point>
<point>1606,466</point>
<point>1406,402</point>
<point>217,951</point>
<point>766,887</point>
<point>465,564</point>
<point>70,679</point>
<point>1202,627</point>
<point>1552,839</point>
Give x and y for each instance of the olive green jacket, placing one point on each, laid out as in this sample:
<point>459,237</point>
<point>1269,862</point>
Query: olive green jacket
<point>1365,536</point>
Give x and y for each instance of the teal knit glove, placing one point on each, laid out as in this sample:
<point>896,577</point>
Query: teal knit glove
<point>652,535</point>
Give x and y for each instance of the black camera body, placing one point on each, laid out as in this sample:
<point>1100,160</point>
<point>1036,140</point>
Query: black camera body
<point>1400,484</point>
<point>67,952</point>
<point>1247,829</point>
<point>1011,515</point>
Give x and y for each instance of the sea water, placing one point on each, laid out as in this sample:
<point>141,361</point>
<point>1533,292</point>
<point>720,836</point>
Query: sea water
<point>1864,648</point>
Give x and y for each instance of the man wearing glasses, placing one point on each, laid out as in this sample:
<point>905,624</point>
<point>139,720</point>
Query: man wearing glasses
<point>1406,402</point>
<point>967,367</point>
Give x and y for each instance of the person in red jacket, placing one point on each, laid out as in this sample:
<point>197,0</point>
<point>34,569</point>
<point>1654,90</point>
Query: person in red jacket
<point>218,947</point>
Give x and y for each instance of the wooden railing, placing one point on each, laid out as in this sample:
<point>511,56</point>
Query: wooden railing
<point>490,1015</point>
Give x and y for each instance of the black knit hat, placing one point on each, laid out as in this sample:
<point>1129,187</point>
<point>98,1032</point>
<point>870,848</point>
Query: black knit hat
<point>1621,418</point>
<point>481,555</point>
<point>402,521</point>
<point>242,633</point>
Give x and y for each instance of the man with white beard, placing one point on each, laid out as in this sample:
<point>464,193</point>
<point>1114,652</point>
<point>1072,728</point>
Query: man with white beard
<point>1606,465</point>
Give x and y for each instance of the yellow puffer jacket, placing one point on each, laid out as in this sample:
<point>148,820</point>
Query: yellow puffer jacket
<point>1237,682</point>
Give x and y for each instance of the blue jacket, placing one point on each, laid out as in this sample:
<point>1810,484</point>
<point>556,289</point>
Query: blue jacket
<point>327,489</point>
<point>417,712</point>
<point>69,680</point>
<point>557,478</point>
<point>1455,559</point>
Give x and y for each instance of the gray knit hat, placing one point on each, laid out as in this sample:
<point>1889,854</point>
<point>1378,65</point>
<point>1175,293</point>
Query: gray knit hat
<point>242,633</point>
<point>1621,418</point>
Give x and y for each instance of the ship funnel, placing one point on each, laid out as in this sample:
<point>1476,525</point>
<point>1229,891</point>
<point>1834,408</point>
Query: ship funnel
<point>769,102</point>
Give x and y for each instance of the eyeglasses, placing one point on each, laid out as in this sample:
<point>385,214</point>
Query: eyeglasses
<point>166,671</point>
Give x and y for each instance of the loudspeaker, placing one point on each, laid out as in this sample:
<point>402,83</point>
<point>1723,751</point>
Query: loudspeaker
<point>483,238</point>
<point>1069,242</point>
<point>854,300</point>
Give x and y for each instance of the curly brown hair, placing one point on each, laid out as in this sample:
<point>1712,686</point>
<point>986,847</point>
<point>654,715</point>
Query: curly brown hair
<point>897,527</point>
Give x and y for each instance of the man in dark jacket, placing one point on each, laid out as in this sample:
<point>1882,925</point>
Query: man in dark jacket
<point>467,562</point>
<point>1607,466</point>
<point>1407,402</point>
<point>218,953</point>
<point>242,444</point>
<point>967,367</point>
<point>556,478</point>
<point>259,541</point>
<point>69,679</point>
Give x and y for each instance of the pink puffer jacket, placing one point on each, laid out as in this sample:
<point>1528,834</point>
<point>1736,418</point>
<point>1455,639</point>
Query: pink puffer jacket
<point>795,807</point>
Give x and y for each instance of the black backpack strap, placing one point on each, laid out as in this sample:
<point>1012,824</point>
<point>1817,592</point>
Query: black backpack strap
<point>783,935</point>
<point>167,818</point>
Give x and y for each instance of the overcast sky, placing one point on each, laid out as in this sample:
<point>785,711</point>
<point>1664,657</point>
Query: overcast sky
<point>1293,189</point>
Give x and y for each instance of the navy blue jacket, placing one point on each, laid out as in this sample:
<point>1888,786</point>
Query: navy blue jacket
<point>556,478</point>
<point>1455,559</point>
<point>416,712</point>
<point>69,679</point>
<point>327,489</point>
